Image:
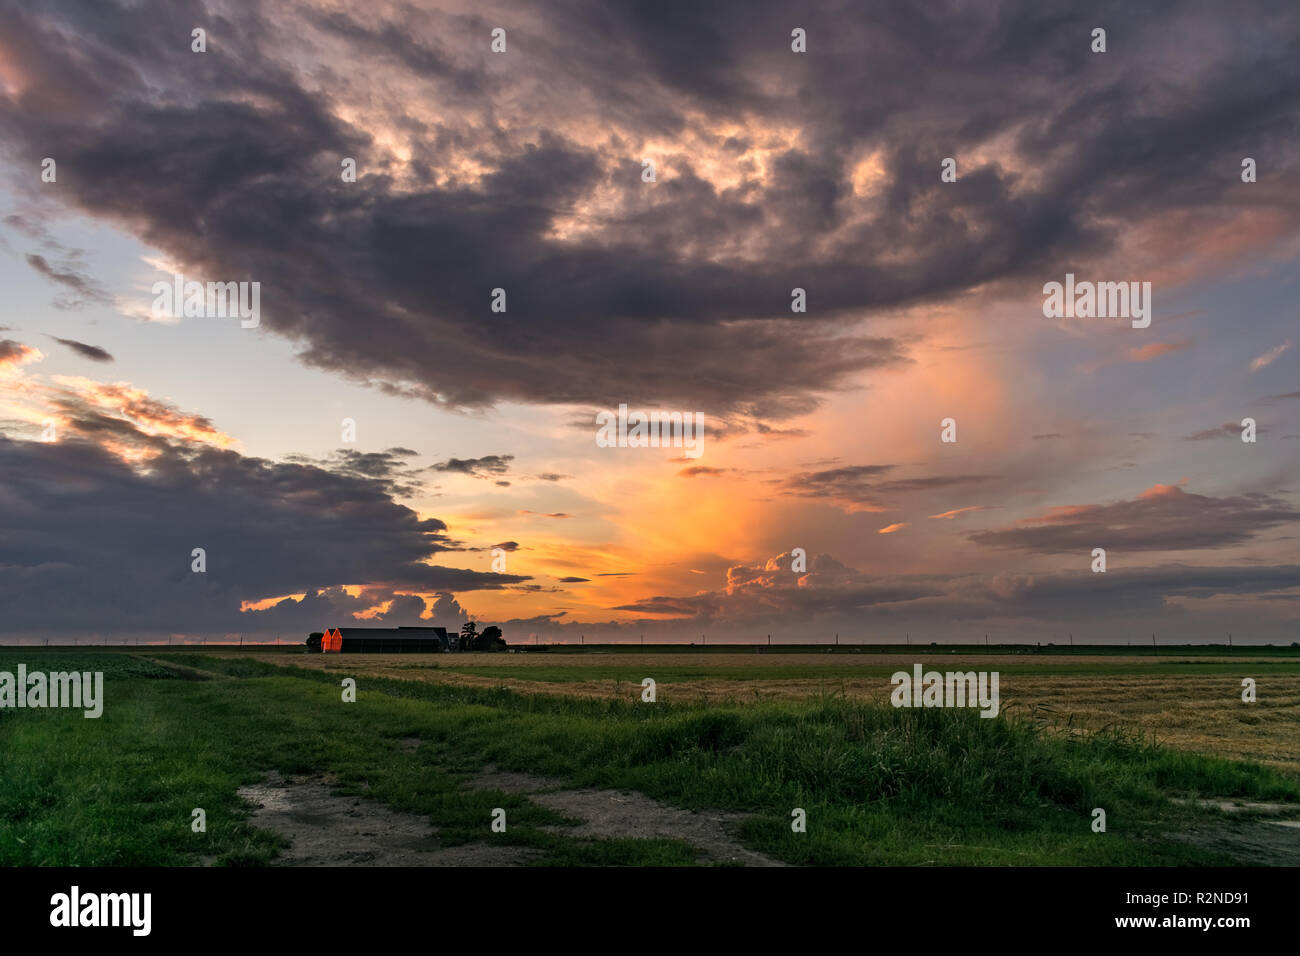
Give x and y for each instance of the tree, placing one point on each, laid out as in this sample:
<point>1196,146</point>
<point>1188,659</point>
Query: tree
<point>468,636</point>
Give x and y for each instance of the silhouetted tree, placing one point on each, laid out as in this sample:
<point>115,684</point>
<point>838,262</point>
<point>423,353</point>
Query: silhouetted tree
<point>468,635</point>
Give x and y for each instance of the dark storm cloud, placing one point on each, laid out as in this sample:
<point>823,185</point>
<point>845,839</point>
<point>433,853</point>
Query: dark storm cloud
<point>1135,590</point>
<point>477,467</point>
<point>853,479</point>
<point>864,484</point>
<point>92,544</point>
<point>773,591</point>
<point>835,595</point>
<point>229,161</point>
<point>1164,518</point>
<point>92,352</point>
<point>335,607</point>
<point>387,467</point>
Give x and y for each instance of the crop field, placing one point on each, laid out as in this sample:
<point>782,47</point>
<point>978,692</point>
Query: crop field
<point>1192,703</point>
<point>784,757</point>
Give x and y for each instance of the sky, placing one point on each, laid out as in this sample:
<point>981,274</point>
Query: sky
<point>397,442</point>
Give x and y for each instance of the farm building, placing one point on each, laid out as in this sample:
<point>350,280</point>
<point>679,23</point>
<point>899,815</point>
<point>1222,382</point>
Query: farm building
<point>382,640</point>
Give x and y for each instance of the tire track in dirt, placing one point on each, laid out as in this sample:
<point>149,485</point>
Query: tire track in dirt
<point>606,814</point>
<point>327,829</point>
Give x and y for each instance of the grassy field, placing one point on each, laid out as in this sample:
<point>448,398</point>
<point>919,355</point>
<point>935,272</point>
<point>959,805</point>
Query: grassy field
<point>1143,737</point>
<point>1189,702</point>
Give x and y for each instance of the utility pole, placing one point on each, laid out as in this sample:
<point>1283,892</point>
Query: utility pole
<point>837,640</point>
<point>909,639</point>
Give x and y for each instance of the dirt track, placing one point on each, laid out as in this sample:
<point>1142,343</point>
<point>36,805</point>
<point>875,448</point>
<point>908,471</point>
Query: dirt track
<point>325,829</point>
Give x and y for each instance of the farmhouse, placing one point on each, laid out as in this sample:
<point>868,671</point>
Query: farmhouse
<point>381,640</point>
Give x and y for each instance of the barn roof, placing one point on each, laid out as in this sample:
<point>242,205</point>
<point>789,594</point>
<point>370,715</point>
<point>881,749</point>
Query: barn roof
<point>388,633</point>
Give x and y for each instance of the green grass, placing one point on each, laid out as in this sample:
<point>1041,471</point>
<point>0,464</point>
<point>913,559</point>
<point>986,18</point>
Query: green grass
<point>880,785</point>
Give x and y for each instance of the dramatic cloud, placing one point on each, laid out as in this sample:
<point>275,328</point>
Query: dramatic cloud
<point>862,487</point>
<point>1162,518</point>
<point>523,173</point>
<point>338,607</point>
<point>484,467</point>
<point>389,467</point>
<point>832,597</point>
<point>499,246</point>
<point>95,545</point>
<point>126,417</point>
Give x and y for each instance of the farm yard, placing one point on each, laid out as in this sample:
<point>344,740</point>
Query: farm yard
<point>561,749</point>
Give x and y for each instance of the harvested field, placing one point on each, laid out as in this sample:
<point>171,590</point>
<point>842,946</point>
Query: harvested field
<point>1190,703</point>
